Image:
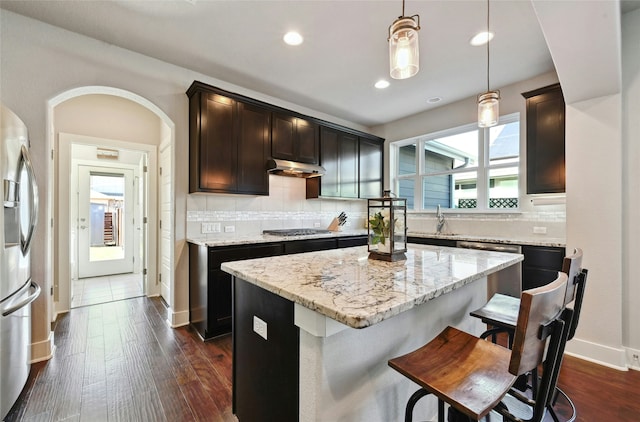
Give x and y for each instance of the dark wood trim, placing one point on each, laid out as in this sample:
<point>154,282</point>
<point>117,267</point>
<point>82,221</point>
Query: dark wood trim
<point>542,90</point>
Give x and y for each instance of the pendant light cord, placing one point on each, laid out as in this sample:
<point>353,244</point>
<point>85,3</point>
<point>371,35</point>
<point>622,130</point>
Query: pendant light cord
<point>402,8</point>
<point>488,41</point>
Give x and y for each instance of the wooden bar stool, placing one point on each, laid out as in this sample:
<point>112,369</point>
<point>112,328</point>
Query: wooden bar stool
<point>501,311</point>
<point>473,375</point>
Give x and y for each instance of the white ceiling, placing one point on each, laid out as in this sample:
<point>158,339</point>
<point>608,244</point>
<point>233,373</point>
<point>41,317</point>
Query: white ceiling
<point>344,53</point>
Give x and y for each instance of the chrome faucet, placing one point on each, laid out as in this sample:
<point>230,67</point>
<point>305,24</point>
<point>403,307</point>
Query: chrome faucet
<point>440,219</point>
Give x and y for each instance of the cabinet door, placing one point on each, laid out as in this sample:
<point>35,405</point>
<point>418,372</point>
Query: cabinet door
<point>348,145</point>
<point>217,155</point>
<point>545,141</point>
<point>294,139</point>
<point>541,265</point>
<point>370,168</point>
<point>307,141</point>
<point>220,303</point>
<point>283,137</point>
<point>254,149</point>
<point>329,159</point>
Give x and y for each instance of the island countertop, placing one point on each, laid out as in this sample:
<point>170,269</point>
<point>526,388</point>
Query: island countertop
<point>346,286</point>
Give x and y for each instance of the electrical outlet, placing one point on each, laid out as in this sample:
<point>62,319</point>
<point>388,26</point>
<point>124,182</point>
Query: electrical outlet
<point>229,229</point>
<point>260,327</point>
<point>540,230</point>
<point>210,227</point>
<point>316,224</point>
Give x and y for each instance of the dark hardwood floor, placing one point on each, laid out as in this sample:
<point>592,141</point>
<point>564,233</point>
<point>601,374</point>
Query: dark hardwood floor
<point>119,361</point>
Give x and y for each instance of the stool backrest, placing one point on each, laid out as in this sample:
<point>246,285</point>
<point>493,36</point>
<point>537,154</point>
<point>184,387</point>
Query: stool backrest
<point>538,307</point>
<point>572,266</point>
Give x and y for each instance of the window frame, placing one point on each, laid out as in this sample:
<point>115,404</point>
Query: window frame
<point>482,169</point>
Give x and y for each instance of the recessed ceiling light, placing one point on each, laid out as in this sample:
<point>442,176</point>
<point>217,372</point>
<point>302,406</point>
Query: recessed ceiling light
<point>481,38</point>
<point>434,100</point>
<point>293,38</point>
<point>382,84</point>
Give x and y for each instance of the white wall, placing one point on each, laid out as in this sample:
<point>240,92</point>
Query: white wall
<point>594,223</point>
<point>631,187</point>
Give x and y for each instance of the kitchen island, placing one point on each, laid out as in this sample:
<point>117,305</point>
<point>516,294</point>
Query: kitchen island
<point>313,331</point>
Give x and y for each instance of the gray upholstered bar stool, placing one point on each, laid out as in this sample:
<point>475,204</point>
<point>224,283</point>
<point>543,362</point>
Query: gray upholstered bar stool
<point>473,375</point>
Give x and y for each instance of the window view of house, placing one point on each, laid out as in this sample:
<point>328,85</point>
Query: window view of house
<point>466,168</point>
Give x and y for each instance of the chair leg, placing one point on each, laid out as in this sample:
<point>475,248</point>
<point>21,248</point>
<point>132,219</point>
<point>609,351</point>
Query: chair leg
<point>408,414</point>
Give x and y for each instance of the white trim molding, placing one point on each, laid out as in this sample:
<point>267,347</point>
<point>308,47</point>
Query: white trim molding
<point>177,319</point>
<point>597,353</point>
<point>43,350</point>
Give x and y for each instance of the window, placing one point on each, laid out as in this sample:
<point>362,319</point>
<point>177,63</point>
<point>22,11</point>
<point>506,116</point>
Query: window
<point>462,168</point>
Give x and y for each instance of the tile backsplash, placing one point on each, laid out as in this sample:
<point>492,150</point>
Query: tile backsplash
<point>287,207</point>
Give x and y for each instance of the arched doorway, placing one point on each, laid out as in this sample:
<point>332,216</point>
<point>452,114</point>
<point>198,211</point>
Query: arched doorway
<point>115,116</point>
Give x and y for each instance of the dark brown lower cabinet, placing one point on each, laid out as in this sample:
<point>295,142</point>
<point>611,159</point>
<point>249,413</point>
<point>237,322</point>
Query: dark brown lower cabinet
<point>210,287</point>
<point>265,370</point>
<point>541,265</point>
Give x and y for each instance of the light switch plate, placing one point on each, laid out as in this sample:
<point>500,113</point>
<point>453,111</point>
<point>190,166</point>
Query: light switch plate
<point>229,229</point>
<point>260,327</point>
<point>540,230</point>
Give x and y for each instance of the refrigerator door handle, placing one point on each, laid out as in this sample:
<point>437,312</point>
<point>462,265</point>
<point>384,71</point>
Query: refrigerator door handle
<point>33,214</point>
<point>25,301</point>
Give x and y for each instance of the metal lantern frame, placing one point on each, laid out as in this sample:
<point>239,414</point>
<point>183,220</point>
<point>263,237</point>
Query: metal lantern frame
<point>387,218</point>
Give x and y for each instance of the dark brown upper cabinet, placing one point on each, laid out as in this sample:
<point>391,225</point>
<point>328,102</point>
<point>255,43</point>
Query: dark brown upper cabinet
<point>229,143</point>
<point>294,139</point>
<point>231,138</point>
<point>353,166</point>
<point>339,157</point>
<point>545,140</point>
<point>370,165</point>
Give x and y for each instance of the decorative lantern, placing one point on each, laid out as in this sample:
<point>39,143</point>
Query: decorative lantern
<point>387,227</point>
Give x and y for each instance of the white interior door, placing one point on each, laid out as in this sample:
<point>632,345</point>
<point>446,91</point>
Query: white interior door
<point>105,221</point>
<point>165,224</point>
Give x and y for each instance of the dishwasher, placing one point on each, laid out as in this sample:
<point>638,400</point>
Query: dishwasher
<point>507,281</point>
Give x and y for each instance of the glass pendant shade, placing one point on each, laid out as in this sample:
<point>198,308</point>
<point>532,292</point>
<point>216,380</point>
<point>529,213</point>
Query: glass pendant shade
<point>488,109</point>
<point>403,47</point>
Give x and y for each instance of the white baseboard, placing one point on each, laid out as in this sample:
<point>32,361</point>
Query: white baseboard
<point>178,319</point>
<point>597,353</point>
<point>633,358</point>
<point>43,350</point>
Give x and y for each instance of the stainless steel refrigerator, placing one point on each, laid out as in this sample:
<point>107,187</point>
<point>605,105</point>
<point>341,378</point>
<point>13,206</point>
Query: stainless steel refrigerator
<point>17,225</point>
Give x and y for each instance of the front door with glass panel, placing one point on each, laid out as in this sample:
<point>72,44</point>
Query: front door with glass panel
<point>105,221</point>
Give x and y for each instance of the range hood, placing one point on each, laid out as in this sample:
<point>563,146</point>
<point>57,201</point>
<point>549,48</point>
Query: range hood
<point>294,169</point>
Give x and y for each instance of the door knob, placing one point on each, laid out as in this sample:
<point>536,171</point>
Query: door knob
<point>83,227</point>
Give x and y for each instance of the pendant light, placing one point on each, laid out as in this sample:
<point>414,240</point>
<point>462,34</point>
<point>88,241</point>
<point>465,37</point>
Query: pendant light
<point>403,46</point>
<point>489,102</point>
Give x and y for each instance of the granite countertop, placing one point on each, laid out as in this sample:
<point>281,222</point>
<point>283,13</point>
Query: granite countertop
<point>265,238</point>
<point>261,238</point>
<point>343,284</point>
<point>533,241</point>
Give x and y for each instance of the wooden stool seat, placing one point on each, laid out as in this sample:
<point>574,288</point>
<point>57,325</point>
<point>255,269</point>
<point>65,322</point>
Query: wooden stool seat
<point>469,373</point>
<point>500,311</point>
